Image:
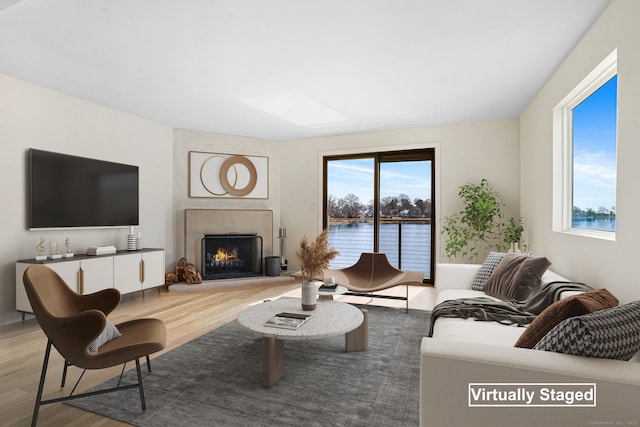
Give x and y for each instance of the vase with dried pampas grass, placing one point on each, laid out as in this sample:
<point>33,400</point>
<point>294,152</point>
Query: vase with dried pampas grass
<point>314,259</point>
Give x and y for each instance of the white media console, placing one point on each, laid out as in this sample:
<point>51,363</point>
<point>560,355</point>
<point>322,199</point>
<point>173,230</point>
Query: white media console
<point>127,271</point>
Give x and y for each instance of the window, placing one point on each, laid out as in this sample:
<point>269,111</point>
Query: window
<point>585,140</point>
<point>381,202</point>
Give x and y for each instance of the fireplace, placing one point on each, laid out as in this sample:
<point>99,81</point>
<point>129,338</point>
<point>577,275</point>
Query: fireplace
<point>227,256</point>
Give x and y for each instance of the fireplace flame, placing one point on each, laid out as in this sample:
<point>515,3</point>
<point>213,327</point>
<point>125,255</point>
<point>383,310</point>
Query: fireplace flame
<point>224,255</point>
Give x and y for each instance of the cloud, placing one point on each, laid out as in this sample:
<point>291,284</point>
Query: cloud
<point>594,179</point>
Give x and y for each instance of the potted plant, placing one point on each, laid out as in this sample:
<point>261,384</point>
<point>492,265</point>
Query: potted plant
<point>478,226</point>
<point>314,259</point>
<point>513,234</point>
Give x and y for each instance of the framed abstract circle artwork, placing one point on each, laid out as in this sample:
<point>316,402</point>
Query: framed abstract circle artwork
<point>228,175</point>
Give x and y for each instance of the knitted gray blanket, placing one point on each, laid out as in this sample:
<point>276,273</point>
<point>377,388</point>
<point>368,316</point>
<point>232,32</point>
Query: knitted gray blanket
<point>505,312</point>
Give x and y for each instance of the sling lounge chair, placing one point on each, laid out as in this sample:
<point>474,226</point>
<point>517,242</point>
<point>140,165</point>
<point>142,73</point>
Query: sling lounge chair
<point>373,273</point>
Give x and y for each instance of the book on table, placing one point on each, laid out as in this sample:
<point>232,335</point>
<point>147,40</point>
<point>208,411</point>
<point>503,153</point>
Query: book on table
<point>329,285</point>
<point>287,320</point>
<point>101,250</point>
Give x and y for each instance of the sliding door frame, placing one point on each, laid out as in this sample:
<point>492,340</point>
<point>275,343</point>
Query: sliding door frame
<point>399,154</point>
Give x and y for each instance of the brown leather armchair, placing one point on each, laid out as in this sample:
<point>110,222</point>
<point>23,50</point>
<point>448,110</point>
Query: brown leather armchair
<point>72,321</point>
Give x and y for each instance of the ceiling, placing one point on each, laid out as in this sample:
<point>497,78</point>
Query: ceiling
<point>294,69</point>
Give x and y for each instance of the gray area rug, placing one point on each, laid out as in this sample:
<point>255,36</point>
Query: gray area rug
<point>214,380</point>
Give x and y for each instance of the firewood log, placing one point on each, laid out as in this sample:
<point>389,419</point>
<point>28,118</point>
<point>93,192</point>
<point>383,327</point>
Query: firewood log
<point>170,278</point>
<point>180,269</point>
<point>190,273</point>
<point>190,270</point>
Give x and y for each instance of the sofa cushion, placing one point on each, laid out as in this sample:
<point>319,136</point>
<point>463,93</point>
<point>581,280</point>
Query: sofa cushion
<point>577,305</point>
<point>516,277</point>
<point>473,331</point>
<point>489,264</point>
<point>613,333</point>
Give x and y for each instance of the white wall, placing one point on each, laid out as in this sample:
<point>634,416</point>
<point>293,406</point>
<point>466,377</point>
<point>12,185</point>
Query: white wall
<point>466,153</point>
<point>187,140</point>
<point>34,117</point>
<point>599,263</point>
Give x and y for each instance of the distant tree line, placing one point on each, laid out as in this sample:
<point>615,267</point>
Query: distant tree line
<point>350,206</point>
<point>601,212</point>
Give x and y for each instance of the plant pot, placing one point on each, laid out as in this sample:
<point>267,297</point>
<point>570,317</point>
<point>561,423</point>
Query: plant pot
<point>309,296</point>
<point>514,249</point>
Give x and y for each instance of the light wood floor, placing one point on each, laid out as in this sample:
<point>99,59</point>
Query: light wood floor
<point>187,315</point>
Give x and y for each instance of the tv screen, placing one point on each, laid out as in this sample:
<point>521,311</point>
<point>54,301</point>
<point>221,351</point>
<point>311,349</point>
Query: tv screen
<point>70,191</point>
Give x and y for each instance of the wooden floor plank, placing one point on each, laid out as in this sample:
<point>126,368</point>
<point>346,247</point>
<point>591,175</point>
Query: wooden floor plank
<point>187,316</point>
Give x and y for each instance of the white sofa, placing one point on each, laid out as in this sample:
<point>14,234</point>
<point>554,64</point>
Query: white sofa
<point>464,351</point>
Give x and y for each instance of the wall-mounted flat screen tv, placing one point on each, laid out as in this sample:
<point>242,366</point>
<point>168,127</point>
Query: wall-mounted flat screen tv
<point>68,191</point>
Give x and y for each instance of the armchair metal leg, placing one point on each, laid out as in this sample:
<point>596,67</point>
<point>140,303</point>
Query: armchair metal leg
<point>407,297</point>
<point>64,374</point>
<point>67,364</point>
<point>45,364</point>
<point>140,387</point>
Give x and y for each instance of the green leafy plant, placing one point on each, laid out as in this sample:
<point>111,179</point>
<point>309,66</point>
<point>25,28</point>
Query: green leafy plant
<point>513,232</point>
<point>478,226</point>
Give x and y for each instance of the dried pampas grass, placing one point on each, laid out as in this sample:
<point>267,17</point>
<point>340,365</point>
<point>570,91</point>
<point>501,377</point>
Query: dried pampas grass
<point>314,258</point>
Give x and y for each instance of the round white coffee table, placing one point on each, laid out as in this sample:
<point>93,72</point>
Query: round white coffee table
<point>330,318</point>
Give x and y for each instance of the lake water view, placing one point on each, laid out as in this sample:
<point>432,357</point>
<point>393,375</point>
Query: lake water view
<point>602,224</point>
<point>413,254</point>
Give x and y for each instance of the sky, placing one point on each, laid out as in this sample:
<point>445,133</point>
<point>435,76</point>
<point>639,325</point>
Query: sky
<point>356,176</point>
<point>594,167</point>
<point>594,149</point>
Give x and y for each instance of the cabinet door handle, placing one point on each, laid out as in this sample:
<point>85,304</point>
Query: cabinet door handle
<point>141,271</point>
<point>81,281</point>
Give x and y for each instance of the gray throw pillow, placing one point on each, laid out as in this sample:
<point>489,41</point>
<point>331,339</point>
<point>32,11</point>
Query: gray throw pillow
<point>516,277</point>
<point>613,333</point>
<point>489,264</point>
<point>108,333</point>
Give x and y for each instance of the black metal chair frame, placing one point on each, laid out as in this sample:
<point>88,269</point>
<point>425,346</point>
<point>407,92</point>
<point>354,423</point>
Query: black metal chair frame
<point>71,396</point>
<point>382,296</point>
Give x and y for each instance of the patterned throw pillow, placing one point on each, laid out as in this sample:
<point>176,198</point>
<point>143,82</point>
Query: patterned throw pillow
<point>108,333</point>
<point>613,333</point>
<point>565,308</point>
<point>489,264</point>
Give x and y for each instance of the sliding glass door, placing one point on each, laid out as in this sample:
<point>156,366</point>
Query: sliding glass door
<point>349,208</point>
<point>381,202</point>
